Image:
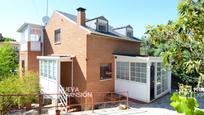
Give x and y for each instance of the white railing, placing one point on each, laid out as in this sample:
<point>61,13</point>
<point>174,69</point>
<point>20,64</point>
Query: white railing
<point>63,97</point>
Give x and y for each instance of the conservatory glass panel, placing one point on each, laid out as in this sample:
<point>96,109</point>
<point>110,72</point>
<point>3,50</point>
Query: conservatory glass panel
<point>122,70</point>
<point>138,72</point>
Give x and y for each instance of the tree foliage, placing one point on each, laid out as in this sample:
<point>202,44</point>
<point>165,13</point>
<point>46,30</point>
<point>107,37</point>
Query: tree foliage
<point>8,60</point>
<point>187,105</point>
<point>182,41</point>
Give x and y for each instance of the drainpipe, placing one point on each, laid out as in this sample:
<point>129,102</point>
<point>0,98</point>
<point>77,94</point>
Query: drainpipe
<point>72,84</point>
<point>42,40</point>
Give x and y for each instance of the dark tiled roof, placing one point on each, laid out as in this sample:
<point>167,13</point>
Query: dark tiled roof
<point>74,18</point>
<point>100,17</point>
<point>70,16</point>
<point>109,33</point>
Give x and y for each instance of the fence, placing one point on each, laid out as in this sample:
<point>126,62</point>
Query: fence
<point>42,104</point>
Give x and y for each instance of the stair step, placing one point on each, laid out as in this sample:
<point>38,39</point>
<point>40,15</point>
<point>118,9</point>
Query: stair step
<point>74,109</point>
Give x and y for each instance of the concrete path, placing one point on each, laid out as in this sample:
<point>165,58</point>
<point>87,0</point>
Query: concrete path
<point>158,107</point>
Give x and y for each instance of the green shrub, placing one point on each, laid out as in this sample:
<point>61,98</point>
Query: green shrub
<point>184,102</point>
<point>15,85</point>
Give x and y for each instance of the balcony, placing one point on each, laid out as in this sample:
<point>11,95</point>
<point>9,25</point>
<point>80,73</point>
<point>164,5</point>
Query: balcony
<point>31,46</point>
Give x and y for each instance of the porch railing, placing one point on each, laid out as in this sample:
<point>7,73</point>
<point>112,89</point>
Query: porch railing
<point>63,97</point>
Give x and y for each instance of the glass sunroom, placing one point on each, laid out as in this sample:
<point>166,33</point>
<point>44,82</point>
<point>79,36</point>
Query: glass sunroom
<point>145,78</point>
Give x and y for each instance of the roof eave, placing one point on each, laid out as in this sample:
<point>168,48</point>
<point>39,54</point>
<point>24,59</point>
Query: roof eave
<point>118,38</point>
<point>25,25</point>
<point>22,27</point>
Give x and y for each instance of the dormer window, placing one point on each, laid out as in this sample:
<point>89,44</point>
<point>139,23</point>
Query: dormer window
<point>129,32</point>
<point>126,31</point>
<point>102,25</point>
<point>102,28</point>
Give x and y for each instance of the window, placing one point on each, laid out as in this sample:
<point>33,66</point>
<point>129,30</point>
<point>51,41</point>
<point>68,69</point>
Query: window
<point>45,68</point>
<point>105,71</point>
<point>48,69</point>
<point>139,72</point>
<point>102,28</point>
<point>102,25</point>
<point>129,34</point>
<point>162,81</point>
<point>57,35</point>
<point>129,31</point>
<point>41,68</point>
<point>122,70</point>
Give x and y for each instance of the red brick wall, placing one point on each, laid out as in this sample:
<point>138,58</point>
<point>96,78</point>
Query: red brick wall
<point>100,49</point>
<point>30,60</point>
<point>73,42</point>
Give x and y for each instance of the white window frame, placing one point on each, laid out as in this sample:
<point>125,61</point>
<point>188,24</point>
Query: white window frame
<point>49,69</point>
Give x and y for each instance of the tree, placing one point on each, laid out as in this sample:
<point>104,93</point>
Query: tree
<point>184,41</point>
<point>8,60</point>
<point>6,39</point>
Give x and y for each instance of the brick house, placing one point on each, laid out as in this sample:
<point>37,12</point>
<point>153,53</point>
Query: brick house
<point>86,53</point>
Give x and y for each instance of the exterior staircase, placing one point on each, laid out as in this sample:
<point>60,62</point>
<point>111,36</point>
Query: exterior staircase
<point>67,104</point>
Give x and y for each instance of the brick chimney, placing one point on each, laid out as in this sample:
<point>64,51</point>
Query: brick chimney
<point>81,16</point>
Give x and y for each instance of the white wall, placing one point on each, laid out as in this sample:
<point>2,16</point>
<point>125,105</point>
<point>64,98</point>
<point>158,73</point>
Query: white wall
<point>138,91</point>
<point>48,86</point>
<point>24,46</point>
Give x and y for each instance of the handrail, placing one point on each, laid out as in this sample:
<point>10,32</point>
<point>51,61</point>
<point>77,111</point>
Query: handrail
<point>63,97</point>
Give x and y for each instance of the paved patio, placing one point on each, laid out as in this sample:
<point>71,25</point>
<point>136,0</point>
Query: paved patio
<point>158,107</point>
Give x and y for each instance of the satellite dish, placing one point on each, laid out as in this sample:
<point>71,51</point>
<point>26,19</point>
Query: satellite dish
<point>45,19</point>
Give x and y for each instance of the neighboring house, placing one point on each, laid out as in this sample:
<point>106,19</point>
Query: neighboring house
<point>91,55</point>
<point>30,47</point>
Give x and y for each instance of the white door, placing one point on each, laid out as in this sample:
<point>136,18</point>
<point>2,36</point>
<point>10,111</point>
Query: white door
<point>161,81</point>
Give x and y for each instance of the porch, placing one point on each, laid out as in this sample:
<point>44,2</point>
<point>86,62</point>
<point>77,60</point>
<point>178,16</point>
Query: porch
<point>55,72</point>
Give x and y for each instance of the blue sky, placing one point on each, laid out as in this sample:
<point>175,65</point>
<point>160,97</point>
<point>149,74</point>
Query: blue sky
<point>138,13</point>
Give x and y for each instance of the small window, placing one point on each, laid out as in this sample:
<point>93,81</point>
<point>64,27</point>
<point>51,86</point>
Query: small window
<point>57,36</point>
<point>105,71</point>
<point>129,34</point>
<point>102,28</point>
<point>102,25</point>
